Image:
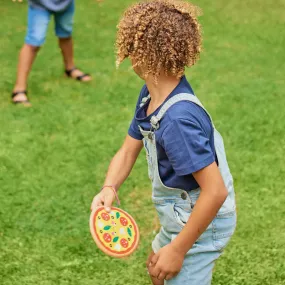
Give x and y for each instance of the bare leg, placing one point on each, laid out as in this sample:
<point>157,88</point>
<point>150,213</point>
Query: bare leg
<point>154,280</point>
<point>26,58</point>
<point>66,46</point>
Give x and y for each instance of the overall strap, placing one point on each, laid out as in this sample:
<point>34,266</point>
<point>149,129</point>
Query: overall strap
<point>175,99</point>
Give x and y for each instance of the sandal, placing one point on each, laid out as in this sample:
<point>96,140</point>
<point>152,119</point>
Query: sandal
<point>24,102</point>
<point>79,77</point>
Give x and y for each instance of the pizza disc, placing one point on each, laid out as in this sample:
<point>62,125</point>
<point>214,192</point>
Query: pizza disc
<point>115,233</point>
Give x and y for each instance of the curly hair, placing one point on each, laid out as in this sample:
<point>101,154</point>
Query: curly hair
<point>160,35</point>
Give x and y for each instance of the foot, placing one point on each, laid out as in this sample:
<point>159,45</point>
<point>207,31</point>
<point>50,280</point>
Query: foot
<point>20,97</point>
<point>77,74</point>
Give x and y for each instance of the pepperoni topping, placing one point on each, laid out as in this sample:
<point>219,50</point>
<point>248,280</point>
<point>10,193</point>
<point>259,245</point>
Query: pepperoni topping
<point>123,221</point>
<point>105,216</point>
<point>107,237</point>
<point>124,243</point>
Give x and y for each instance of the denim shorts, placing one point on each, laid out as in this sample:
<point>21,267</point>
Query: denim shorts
<point>38,20</point>
<point>198,264</point>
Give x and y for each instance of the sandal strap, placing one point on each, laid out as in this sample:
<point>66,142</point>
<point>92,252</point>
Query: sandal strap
<point>80,77</point>
<point>22,102</point>
<point>14,94</point>
<point>69,71</point>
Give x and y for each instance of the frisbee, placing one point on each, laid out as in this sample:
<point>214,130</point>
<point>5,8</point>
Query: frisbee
<point>115,233</point>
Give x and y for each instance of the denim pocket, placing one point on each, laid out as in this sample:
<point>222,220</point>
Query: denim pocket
<point>166,217</point>
<point>223,229</point>
<point>173,217</point>
<point>182,213</point>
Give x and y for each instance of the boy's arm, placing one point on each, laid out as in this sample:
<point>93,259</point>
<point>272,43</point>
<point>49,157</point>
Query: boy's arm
<point>213,195</point>
<point>168,261</point>
<point>119,169</point>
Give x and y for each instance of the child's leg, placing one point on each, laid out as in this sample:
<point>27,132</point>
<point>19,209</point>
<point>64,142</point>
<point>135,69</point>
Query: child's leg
<point>63,30</point>
<point>37,26</point>
<point>66,46</point>
<point>26,59</point>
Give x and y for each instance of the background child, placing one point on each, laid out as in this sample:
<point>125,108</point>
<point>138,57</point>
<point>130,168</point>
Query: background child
<point>192,187</point>
<point>39,14</point>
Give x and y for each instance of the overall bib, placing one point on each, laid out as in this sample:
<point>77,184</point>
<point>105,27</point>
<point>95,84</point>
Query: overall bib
<point>174,207</point>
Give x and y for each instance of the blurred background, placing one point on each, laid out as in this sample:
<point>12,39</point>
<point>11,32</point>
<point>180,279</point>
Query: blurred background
<point>53,156</point>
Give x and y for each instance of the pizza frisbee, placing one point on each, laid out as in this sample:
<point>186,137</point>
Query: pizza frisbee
<point>115,233</point>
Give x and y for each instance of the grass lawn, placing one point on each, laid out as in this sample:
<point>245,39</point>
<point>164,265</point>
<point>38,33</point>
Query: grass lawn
<point>53,156</point>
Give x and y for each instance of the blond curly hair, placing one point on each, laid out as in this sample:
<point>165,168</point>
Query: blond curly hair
<point>160,35</point>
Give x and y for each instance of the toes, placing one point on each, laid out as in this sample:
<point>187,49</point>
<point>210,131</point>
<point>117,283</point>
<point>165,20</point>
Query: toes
<point>87,78</point>
<point>20,97</point>
<point>78,72</point>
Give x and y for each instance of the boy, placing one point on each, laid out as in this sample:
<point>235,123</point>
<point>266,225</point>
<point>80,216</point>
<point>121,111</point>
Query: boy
<point>39,14</point>
<point>192,187</point>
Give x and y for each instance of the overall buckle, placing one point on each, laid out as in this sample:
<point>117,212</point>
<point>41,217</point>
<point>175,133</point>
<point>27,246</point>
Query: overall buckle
<point>154,121</point>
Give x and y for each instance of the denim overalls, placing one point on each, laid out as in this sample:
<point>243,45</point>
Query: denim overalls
<point>174,207</point>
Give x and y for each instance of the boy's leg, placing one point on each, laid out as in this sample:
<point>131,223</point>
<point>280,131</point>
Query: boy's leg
<point>37,26</point>
<point>63,30</point>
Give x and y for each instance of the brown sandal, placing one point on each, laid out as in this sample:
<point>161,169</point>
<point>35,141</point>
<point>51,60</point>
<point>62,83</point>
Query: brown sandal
<point>80,77</point>
<point>24,102</point>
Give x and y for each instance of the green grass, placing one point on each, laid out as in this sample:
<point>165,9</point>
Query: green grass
<point>53,157</point>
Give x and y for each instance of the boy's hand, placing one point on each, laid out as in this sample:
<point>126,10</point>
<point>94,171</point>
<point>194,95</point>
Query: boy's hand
<point>105,198</point>
<point>166,264</point>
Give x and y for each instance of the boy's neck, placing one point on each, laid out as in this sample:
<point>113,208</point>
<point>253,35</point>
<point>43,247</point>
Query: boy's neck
<point>160,91</point>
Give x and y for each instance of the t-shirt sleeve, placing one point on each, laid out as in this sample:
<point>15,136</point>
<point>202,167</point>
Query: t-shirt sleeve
<point>134,131</point>
<point>187,146</point>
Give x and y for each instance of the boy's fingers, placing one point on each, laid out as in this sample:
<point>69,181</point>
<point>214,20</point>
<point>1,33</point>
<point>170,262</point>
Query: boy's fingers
<point>97,202</point>
<point>161,276</point>
<point>148,262</point>
<point>151,270</point>
<point>103,199</point>
<point>154,272</point>
<point>108,200</point>
<point>154,259</point>
<point>169,276</point>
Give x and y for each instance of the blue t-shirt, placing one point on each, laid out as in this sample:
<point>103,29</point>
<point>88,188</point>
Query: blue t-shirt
<point>184,140</point>
<point>51,5</point>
